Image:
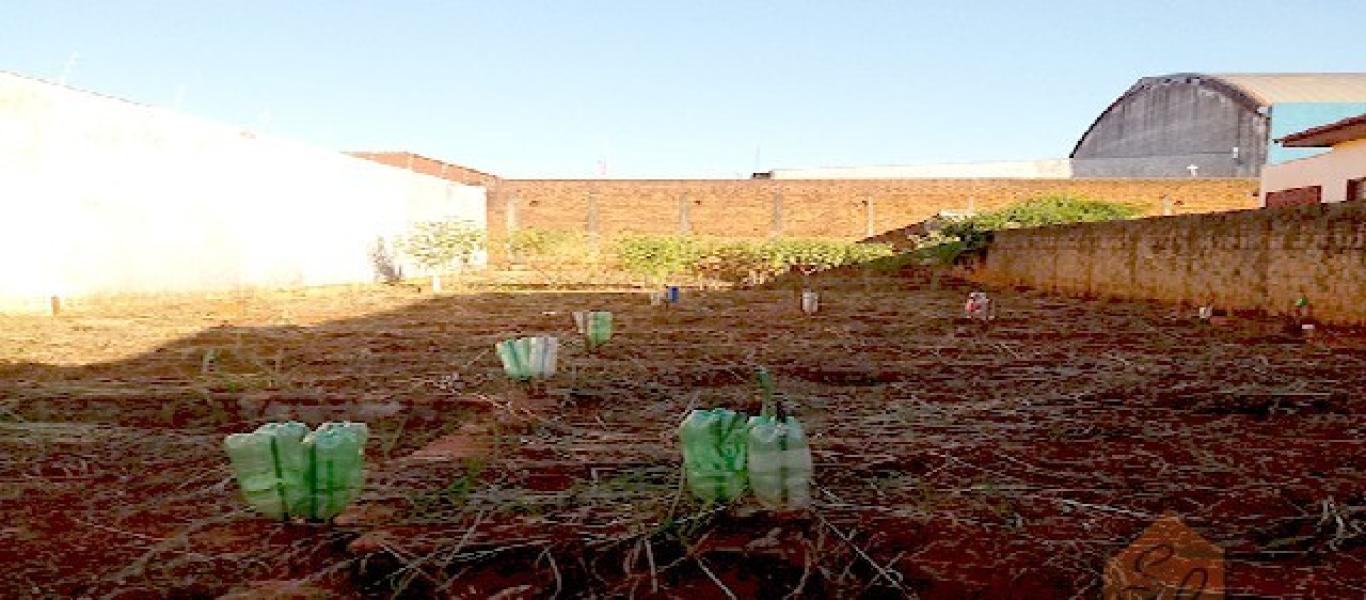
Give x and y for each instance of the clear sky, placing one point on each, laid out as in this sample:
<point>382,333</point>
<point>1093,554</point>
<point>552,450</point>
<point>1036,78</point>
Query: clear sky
<point>666,89</point>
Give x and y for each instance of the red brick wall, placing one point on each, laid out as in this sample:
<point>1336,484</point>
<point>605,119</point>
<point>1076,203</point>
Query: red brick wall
<point>844,209</point>
<point>818,208</point>
<point>430,166</point>
<point>1294,197</point>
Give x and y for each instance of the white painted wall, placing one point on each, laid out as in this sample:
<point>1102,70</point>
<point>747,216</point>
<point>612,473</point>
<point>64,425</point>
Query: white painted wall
<point>99,195</point>
<point>1332,170</point>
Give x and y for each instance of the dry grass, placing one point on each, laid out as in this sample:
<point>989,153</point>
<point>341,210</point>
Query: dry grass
<point>951,461</point>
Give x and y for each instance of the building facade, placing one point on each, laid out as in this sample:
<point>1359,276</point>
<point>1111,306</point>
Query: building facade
<point>1338,175</point>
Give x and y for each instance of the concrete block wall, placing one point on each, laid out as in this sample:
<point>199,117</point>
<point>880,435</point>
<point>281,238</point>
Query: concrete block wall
<point>1253,259</point>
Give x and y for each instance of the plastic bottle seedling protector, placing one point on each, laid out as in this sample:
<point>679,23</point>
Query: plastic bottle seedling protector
<point>507,354</point>
<point>336,469</point>
<point>543,351</point>
<point>779,459</point>
<point>285,471</point>
<point>598,328</point>
<point>528,357</point>
<point>713,444</point>
<point>779,462</point>
<point>269,465</point>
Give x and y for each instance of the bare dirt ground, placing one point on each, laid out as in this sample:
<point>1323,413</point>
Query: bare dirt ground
<point>951,461</point>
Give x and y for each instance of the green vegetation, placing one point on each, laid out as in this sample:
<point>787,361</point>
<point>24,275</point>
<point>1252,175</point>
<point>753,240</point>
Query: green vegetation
<point>546,245</point>
<point>972,234</point>
<point>437,244</point>
<point>658,257</point>
<point>557,255</point>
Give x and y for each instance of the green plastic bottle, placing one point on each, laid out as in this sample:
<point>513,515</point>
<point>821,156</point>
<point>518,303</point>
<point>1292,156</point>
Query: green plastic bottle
<point>268,464</point>
<point>779,460</point>
<point>599,328</point>
<point>514,359</point>
<point>284,471</point>
<point>713,444</point>
<point>525,358</point>
<point>336,469</point>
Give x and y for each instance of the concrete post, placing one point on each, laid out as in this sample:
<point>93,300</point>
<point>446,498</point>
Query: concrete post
<point>776,227</point>
<point>510,213</point>
<point>684,215</point>
<point>869,219</point>
<point>593,220</point>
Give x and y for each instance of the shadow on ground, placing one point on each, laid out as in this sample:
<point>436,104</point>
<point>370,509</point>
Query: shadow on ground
<point>952,459</point>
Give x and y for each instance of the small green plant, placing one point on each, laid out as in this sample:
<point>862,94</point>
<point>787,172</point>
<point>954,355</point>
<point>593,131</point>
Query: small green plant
<point>437,245</point>
<point>430,504</point>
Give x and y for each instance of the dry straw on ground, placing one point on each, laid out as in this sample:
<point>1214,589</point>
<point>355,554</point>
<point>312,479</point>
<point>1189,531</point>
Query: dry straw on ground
<point>951,460</point>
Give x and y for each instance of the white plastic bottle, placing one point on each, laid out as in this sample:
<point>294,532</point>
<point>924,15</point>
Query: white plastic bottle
<point>780,466</point>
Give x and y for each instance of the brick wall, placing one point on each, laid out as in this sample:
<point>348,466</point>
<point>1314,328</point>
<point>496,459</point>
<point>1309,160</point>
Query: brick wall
<point>831,208</point>
<point>1295,196</point>
<point>1256,259</point>
<point>815,208</point>
<point>431,166</point>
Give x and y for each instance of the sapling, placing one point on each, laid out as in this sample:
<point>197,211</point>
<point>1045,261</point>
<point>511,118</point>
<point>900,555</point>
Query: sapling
<point>437,245</point>
<point>1302,315</point>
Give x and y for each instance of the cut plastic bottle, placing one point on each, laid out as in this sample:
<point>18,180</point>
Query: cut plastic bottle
<point>528,357</point>
<point>284,471</point>
<point>596,327</point>
<point>779,462</point>
<point>336,469</point>
<point>267,465</point>
<point>514,360</point>
<point>779,459</point>
<point>714,454</point>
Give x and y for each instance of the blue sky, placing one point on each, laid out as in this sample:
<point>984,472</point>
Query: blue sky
<point>666,89</point>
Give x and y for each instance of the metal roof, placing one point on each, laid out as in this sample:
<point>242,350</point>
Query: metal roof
<point>1351,128</point>
<point>1253,91</point>
<point>1275,88</point>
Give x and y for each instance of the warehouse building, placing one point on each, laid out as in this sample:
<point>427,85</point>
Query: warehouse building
<point>1212,125</point>
<point>1179,125</point>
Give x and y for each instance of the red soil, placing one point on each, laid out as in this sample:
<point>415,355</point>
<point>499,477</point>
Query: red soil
<point>952,461</point>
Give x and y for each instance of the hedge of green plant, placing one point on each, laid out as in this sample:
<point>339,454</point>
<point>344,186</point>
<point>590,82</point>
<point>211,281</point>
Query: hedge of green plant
<point>972,234</point>
<point>659,257</point>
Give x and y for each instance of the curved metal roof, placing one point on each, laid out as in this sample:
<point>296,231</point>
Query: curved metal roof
<point>1255,91</point>
<point>1274,88</point>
